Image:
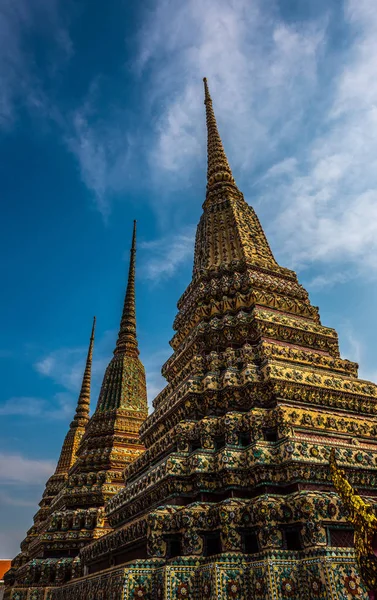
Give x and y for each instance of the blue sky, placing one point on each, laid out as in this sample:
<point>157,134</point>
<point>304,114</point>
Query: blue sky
<point>102,122</point>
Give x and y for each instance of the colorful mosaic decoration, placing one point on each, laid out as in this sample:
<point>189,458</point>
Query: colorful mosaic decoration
<point>224,491</point>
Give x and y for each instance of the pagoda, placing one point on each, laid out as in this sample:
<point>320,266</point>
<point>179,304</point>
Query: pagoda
<point>89,472</point>
<point>21,564</point>
<point>233,496</point>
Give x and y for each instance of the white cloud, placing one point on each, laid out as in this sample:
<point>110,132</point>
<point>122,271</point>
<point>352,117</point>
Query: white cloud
<point>65,366</point>
<point>155,383</point>
<point>260,69</point>
<point>269,79</point>
<point>326,280</point>
<point>102,147</point>
<point>167,254</point>
<point>354,345</point>
<point>327,210</point>
<point>60,406</point>
<point>23,405</point>
<point>15,468</point>
<point>283,168</point>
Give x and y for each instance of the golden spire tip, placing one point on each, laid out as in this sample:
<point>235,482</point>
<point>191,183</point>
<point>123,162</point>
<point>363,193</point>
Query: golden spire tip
<point>94,326</point>
<point>82,409</point>
<point>127,341</point>
<point>207,97</point>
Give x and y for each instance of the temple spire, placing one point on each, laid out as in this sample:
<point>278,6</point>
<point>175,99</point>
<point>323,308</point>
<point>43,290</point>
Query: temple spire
<point>218,171</point>
<point>83,403</point>
<point>232,232</point>
<point>127,341</point>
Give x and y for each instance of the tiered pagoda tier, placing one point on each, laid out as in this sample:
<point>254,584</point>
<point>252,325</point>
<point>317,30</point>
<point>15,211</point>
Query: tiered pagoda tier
<point>108,441</point>
<point>233,496</point>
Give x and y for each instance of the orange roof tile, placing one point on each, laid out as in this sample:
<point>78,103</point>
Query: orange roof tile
<point>4,567</point>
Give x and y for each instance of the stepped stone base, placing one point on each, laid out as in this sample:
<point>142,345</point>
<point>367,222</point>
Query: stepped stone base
<point>271,575</point>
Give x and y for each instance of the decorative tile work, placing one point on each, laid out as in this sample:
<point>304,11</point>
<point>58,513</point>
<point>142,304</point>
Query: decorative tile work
<point>277,575</point>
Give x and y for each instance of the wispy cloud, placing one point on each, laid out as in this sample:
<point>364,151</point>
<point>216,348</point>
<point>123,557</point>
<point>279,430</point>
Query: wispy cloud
<point>320,282</point>
<point>252,59</point>
<point>19,80</point>
<point>277,85</point>
<point>165,255</point>
<point>282,169</point>
<point>102,146</point>
<point>297,114</point>
<point>60,406</point>
<point>354,345</point>
<point>12,500</point>
<point>15,468</point>
<point>65,366</point>
<point>328,207</point>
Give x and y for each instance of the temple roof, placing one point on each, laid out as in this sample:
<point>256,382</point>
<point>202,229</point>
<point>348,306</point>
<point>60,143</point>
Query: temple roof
<point>4,567</point>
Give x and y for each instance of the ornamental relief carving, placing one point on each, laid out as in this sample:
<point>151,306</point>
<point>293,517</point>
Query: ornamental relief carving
<point>218,308</point>
<point>267,515</point>
<point>240,276</point>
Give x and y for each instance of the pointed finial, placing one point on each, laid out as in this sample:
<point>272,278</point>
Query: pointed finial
<point>83,404</point>
<point>127,341</point>
<point>207,97</point>
<point>219,173</point>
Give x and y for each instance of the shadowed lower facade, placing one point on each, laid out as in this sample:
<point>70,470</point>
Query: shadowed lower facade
<point>225,490</point>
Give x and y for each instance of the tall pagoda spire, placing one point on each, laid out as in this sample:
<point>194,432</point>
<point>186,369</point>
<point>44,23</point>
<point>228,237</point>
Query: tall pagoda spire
<point>229,230</point>
<point>123,396</point>
<point>121,387</point>
<point>83,404</point>
<point>81,418</point>
<point>218,169</point>
<point>69,448</point>
<point>96,450</point>
<point>127,341</point>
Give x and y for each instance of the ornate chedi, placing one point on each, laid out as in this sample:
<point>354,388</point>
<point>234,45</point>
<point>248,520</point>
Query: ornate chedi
<point>57,481</point>
<point>233,496</point>
<point>93,462</point>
